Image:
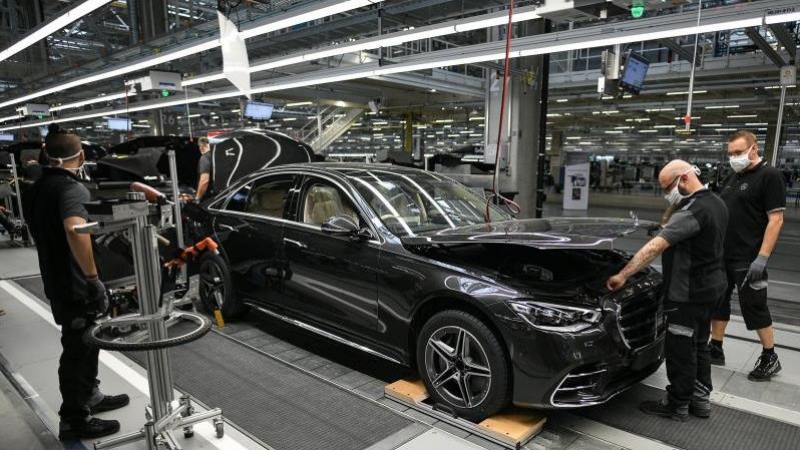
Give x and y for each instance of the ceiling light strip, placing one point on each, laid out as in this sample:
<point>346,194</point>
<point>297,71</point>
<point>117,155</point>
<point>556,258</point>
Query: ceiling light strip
<point>46,29</point>
<point>292,18</point>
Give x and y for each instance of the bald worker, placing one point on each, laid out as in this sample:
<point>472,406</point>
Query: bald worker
<point>694,278</point>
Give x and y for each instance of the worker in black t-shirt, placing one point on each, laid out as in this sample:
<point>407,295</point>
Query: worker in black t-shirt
<point>53,207</point>
<point>756,198</point>
<point>691,242</point>
<point>204,170</point>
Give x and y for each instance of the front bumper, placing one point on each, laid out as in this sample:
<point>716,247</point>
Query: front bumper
<point>568,370</point>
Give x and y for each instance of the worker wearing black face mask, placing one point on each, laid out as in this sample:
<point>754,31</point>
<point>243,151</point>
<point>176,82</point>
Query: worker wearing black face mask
<point>691,242</point>
<point>53,206</point>
<point>756,198</point>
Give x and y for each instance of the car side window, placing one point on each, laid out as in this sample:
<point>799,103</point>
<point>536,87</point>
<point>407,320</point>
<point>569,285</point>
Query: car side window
<point>322,200</point>
<point>269,196</point>
<point>238,201</point>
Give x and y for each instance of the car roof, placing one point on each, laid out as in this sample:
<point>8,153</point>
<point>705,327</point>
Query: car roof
<point>342,167</point>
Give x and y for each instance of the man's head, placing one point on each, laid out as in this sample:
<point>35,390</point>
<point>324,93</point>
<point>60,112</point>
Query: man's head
<point>681,176</point>
<point>742,150</point>
<point>203,144</point>
<point>64,150</point>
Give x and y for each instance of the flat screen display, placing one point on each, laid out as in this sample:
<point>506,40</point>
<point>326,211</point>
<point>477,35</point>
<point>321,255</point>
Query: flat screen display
<point>6,137</point>
<point>258,110</point>
<point>635,71</point>
<point>119,124</point>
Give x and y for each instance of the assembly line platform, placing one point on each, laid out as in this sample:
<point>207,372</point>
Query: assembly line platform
<point>284,388</point>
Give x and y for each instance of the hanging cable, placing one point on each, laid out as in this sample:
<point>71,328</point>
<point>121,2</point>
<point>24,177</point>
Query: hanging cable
<point>495,195</point>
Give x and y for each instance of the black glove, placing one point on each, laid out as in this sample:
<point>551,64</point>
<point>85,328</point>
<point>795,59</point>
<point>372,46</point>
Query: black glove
<point>97,301</point>
<point>756,271</point>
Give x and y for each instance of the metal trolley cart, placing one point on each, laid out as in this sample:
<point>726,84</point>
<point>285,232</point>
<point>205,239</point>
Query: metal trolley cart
<point>15,226</point>
<point>132,217</point>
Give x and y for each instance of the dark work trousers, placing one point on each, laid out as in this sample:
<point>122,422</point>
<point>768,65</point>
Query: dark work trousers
<point>686,349</point>
<point>77,372</point>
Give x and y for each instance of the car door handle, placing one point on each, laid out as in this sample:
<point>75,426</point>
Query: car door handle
<point>224,227</point>
<point>295,243</point>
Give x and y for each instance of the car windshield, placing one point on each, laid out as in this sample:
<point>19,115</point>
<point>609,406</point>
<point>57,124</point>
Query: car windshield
<point>413,203</point>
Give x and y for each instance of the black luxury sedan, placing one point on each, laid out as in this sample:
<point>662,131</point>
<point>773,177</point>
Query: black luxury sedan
<point>399,263</point>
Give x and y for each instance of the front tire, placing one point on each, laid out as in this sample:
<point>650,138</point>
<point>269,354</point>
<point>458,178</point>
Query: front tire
<point>464,365</point>
<point>216,287</point>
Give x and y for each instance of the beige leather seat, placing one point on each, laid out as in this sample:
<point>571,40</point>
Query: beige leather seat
<point>324,202</point>
<point>268,203</point>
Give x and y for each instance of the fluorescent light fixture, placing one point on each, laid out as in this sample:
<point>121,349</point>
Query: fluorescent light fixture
<point>380,122</point>
<point>443,121</point>
<point>236,110</point>
<point>665,126</point>
<point>562,100</point>
<point>553,115</point>
<point>711,125</point>
<point>758,124</point>
<point>648,131</point>
<point>291,105</point>
<point>723,107</point>
<point>665,140</point>
<point>574,138</point>
<point>725,129</point>
<point>289,119</point>
<point>623,128</point>
<point>477,118</point>
<point>659,109</point>
<point>743,116</point>
<point>585,143</point>
<point>693,118</point>
<point>686,92</point>
<point>57,23</point>
<point>6,119</point>
<point>104,98</point>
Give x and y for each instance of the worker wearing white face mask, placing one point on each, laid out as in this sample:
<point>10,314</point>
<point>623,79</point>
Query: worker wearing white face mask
<point>694,278</point>
<point>756,198</point>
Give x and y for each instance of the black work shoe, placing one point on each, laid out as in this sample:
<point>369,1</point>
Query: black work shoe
<point>766,366</point>
<point>717,355</point>
<point>663,408</point>
<point>110,403</point>
<point>91,429</point>
<point>700,408</point>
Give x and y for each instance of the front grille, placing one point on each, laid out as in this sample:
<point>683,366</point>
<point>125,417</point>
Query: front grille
<point>641,319</point>
<point>579,387</point>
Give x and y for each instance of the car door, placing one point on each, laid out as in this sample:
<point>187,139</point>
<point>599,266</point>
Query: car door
<point>251,229</point>
<point>331,279</point>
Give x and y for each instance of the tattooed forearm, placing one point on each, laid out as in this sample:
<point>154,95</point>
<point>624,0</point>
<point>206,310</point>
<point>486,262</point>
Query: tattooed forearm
<point>645,256</point>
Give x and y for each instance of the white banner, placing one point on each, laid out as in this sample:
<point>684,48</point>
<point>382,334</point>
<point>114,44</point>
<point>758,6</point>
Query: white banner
<point>235,63</point>
<point>576,186</point>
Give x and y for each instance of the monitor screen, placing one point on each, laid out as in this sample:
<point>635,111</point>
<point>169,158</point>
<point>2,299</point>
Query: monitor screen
<point>6,137</point>
<point>635,71</point>
<point>119,124</point>
<point>258,110</point>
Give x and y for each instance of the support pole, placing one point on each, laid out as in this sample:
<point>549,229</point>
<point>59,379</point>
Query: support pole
<point>177,218</point>
<point>544,84</point>
<point>774,157</point>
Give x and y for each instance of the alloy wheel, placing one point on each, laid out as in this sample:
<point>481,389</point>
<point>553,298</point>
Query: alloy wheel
<point>458,367</point>
<point>212,285</point>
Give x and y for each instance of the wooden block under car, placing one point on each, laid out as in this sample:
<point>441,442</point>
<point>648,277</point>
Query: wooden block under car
<point>514,426</point>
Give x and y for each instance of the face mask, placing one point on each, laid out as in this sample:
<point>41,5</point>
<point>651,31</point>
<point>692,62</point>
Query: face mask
<point>674,196</point>
<point>740,162</point>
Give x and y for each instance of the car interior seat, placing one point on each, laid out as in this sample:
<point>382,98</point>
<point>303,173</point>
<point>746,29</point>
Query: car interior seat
<point>324,202</point>
<point>268,202</point>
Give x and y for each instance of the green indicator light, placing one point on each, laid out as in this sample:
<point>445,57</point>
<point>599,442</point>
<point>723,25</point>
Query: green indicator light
<point>164,93</point>
<point>637,10</point>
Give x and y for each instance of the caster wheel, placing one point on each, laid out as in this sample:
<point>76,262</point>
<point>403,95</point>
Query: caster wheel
<point>188,433</point>
<point>220,426</point>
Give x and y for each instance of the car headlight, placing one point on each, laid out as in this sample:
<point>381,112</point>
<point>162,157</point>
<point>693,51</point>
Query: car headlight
<point>550,317</point>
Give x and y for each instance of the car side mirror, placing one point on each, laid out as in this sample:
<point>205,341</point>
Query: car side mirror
<point>340,226</point>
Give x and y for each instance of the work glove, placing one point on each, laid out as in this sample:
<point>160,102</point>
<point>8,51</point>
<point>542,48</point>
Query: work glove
<point>757,269</point>
<point>97,301</point>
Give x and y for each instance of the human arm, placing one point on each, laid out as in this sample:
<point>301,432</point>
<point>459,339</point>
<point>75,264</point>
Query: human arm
<point>640,260</point>
<point>771,233</point>
<point>202,186</point>
<point>81,246</point>
<point>774,198</point>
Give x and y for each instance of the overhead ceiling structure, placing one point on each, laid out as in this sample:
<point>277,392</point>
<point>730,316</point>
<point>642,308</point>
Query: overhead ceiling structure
<point>432,58</point>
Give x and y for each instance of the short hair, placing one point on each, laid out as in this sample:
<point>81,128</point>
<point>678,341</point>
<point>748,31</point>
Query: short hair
<point>746,135</point>
<point>62,145</point>
<point>202,141</point>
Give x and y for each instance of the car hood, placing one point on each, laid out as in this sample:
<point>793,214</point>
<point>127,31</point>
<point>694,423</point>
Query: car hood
<point>553,233</point>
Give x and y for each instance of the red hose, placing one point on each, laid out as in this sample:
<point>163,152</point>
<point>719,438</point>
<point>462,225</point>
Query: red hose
<point>515,209</point>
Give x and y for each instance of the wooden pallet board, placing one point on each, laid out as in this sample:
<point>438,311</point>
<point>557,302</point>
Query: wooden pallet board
<point>514,426</point>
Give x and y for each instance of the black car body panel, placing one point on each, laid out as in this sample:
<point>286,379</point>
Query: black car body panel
<point>376,288</point>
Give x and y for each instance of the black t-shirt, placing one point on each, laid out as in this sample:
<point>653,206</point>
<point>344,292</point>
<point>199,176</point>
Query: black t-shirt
<point>693,269</point>
<point>57,196</point>
<point>204,165</point>
<point>751,196</point>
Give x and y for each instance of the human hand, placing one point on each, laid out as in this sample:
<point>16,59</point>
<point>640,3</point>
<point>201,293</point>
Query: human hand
<point>616,282</point>
<point>756,271</point>
<point>97,302</point>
